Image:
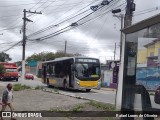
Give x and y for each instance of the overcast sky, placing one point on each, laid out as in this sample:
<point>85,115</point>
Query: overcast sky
<point>95,38</point>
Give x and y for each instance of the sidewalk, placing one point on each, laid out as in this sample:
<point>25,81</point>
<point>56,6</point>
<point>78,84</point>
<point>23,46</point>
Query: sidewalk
<point>108,89</point>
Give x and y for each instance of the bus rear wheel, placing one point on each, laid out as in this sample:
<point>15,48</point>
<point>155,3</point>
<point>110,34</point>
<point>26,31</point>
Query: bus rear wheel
<point>88,90</point>
<point>48,84</point>
<point>65,85</point>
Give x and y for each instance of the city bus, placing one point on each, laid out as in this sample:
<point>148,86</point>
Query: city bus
<point>82,73</point>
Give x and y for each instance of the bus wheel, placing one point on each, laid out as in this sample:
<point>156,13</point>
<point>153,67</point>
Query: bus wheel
<point>17,79</point>
<point>48,83</point>
<point>64,84</point>
<point>88,90</point>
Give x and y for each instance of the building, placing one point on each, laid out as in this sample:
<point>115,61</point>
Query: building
<point>149,55</point>
<point>34,67</point>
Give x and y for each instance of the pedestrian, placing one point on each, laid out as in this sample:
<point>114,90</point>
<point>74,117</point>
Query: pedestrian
<point>7,99</point>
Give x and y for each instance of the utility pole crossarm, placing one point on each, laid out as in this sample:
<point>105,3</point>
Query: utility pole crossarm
<point>34,12</point>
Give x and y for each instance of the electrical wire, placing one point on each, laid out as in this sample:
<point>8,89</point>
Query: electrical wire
<point>23,4</point>
<point>51,26</point>
<point>60,31</point>
<point>56,33</point>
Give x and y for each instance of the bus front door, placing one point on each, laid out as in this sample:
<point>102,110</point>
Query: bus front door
<point>44,74</point>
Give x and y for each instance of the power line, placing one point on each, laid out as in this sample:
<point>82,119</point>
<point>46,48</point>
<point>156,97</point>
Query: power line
<point>57,32</point>
<point>12,46</point>
<point>35,4</point>
<point>54,25</point>
<point>60,31</point>
<point>23,4</point>
<point>51,26</point>
<point>10,28</point>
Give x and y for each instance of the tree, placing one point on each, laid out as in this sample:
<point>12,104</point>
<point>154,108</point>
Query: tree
<point>4,57</point>
<point>45,56</point>
<point>41,56</point>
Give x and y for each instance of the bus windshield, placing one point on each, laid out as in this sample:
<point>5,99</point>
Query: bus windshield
<point>87,70</point>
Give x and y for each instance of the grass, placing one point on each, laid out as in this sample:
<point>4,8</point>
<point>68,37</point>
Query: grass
<point>56,90</point>
<point>77,108</point>
<point>84,107</point>
<point>104,106</point>
<point>38,87</point>
<point>18,87</point>
<point>56,110</point>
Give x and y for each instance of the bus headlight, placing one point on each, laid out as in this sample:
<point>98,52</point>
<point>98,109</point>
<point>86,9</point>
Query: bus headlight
<point>78,83</point>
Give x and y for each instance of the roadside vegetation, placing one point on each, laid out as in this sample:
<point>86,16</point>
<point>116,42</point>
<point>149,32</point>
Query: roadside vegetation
<point>18,87</point>
<point>78,107</point>
<point>103,106</point>
<point>88,108</point>
<point>38,87</point>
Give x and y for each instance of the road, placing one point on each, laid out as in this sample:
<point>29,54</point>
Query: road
<point>98,95</point>
<point>105,96</point>
<point>32,83</point>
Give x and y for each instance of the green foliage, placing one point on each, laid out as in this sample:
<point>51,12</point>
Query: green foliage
<point>38,87</point>
<point>1,69</point>
<point>77,108</point>
<point>49,56</point>
<point>56,90</point>
<point>107,107</point>
<point>4,57</point>
<point>19,63</point>
<point>18,87</point>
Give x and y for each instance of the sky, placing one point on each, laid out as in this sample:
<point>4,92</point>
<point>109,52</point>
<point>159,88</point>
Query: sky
<point>96,37</point>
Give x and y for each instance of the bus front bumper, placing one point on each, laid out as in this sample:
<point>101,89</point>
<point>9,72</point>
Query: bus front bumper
<point>90,85</point>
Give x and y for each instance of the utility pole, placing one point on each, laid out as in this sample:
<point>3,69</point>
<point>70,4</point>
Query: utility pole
<point>129,13</point>
<point>121,16</point>
<point>128,95</point>
<point>126,20</point>
<point>65,49</point>
<point>114,50</point>
<point>24,38</point>
<point>122,21</point>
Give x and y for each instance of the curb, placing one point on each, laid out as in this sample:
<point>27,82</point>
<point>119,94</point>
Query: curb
<point>108,89</point>
<point>74,96</point>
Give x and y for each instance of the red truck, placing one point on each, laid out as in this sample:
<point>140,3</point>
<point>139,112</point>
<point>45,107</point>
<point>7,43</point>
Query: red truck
<point>10,71</point>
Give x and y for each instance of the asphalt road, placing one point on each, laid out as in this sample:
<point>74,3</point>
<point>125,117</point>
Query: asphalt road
<point>32,83</point>
<point>98,95</point>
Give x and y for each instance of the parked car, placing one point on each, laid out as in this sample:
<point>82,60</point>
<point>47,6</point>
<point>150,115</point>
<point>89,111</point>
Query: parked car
<point>29,76</point>
<point>157,96</point>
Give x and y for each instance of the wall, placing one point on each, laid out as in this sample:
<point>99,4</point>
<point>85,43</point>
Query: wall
<point>149,77</point>
<point>142,56</point>
<point>150,49</point>
<point>157,45</point>
<point>107,78</point>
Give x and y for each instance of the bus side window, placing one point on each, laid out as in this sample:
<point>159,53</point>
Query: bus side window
<point>62,70</point>
<point>57,69</point>
<point>53,72</point>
